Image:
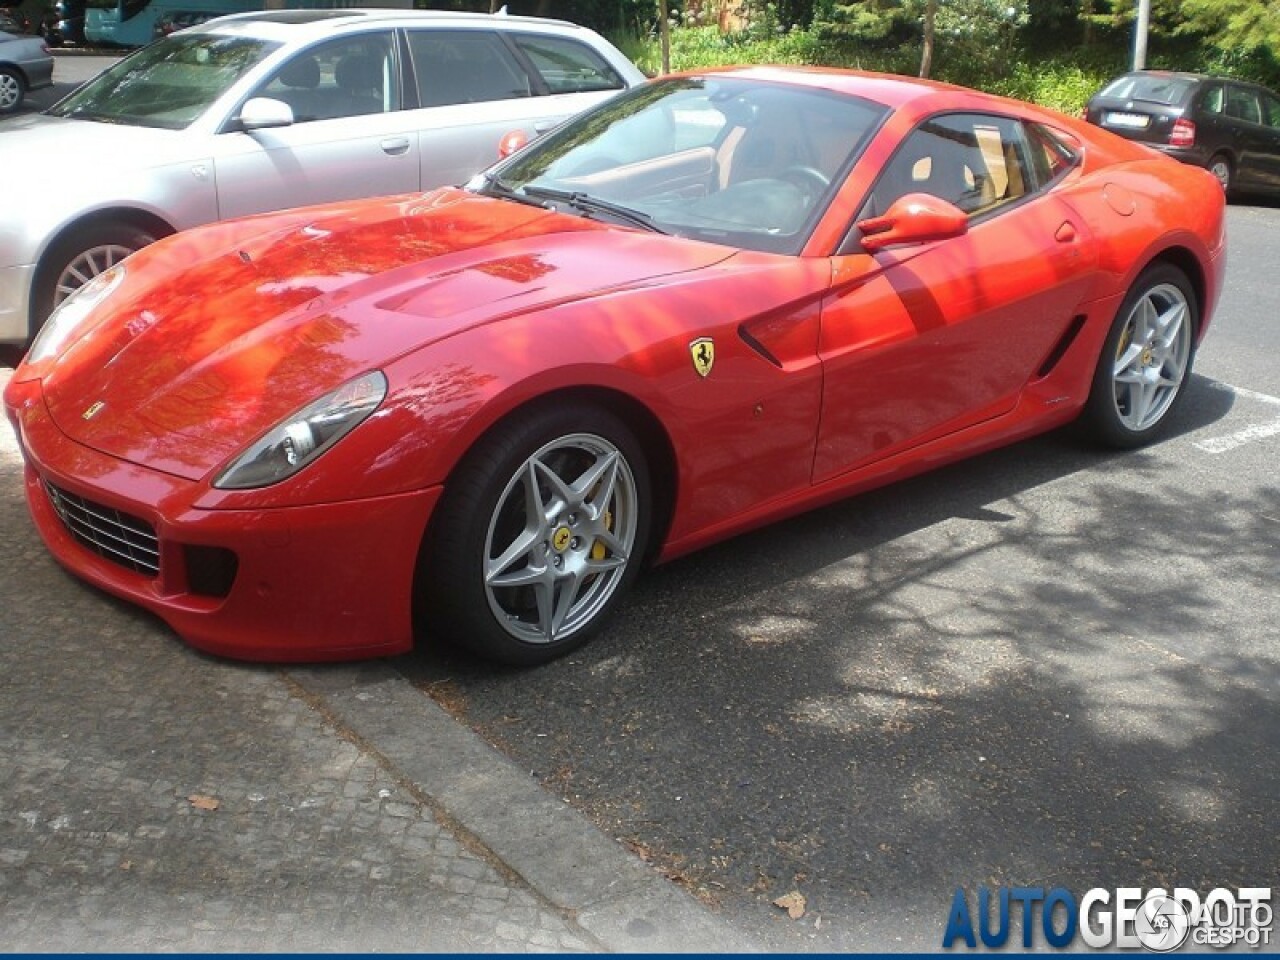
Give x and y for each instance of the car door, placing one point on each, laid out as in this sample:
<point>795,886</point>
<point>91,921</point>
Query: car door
<point>476,86</point>
<point>1269,153</point>
<point>349,137</point>
<point>1244,108</point>
<point>920,341</point>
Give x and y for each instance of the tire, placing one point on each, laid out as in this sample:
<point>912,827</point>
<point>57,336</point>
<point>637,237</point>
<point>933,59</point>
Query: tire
<point>77,258</point>
<point>1146,360</point>
<point>12,90</point>
<point>523,586</point>
<point>1220,166</point>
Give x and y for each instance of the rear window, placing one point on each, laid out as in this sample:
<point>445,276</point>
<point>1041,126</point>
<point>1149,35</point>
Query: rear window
<point>1153,88</point>
<point>568,66</point>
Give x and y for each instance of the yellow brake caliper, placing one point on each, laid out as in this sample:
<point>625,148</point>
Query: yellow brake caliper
<point>598,549</point>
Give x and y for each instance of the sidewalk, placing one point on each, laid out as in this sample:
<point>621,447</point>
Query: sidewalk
<point>155,799</point>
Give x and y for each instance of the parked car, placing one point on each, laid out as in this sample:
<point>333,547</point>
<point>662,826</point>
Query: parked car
<point>25,64</point>
<point>709,303</point>
<point>12,22</point>
<point>261,111</point>
<point>1229,127</point>
<point>65,25</point>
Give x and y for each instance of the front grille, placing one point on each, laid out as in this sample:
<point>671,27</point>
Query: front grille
<point>112,535</point>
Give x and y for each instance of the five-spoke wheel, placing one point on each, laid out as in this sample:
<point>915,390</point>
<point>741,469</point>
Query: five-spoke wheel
<point>540,530</point>
<point>1147,358</point>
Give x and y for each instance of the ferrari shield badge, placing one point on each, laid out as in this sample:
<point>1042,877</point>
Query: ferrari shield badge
<point>703,352</point>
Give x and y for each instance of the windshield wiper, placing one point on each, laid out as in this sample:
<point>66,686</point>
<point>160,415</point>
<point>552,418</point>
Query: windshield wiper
<point>585,203</point>
<point>495,186</point>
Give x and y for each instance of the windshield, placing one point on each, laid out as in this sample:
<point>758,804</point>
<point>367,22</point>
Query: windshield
<point>168,84</point>
<point>1151,87</point>
<point>743,162</point>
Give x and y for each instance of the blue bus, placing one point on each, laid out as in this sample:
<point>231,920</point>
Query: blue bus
<point>135,23</point>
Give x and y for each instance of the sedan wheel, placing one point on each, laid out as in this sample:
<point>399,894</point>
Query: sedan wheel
<point>11,90</point>
<point>1147,359</point>
<point>79,257</point>
<point>539,533</point>
<point>87,265</point>
<point>1220,167</point>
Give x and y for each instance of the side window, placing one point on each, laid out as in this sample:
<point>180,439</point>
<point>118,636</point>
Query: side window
<point>567,66</point>
<point>974,161</point>
<point>342,78</point>
<point>465,66</point>
<point>1271,106</point>
<point>1050,157</point>
<point>1211,99</point>
<point>1243,105</point>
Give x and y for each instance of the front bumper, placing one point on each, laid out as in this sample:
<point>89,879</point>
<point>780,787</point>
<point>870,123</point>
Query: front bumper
<point>15,294</point>
<point>329,581</point>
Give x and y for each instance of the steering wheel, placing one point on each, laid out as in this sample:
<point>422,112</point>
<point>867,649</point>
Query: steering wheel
<point>810,181</point>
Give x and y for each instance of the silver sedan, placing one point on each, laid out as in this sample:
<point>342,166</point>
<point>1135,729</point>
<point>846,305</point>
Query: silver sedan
<point>25,64</point>
<point>261,111</point>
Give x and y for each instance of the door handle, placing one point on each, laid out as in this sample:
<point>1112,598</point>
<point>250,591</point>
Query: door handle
<point>395,146</point>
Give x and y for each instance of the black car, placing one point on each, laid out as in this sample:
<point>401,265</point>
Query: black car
<point>1230,127</point>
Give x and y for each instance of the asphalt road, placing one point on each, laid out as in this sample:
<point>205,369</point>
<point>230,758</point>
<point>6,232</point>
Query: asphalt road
<point>1048,666</point>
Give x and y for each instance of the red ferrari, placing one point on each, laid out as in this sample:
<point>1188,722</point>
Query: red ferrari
<point>715,301</point>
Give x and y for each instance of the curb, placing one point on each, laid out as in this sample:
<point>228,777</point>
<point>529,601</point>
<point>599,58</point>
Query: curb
<point>557,851</point>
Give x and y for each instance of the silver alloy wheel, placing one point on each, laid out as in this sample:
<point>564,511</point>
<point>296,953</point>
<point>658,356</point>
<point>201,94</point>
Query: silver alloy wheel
<point>85,266</point>
<point>1220,167</point>
<point>560,538</point>
<point>10,91</point>
<point>1151,357</point>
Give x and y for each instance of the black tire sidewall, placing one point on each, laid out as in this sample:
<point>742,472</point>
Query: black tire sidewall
<point>454,605</point>
<point>1102,419</point>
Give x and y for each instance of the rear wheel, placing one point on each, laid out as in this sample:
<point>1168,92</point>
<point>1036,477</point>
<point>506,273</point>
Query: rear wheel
<point>12,90</point>
<point>1146,360</point>
<point>1220,167</point>
<point>540,531</point>
<point>79,257</point>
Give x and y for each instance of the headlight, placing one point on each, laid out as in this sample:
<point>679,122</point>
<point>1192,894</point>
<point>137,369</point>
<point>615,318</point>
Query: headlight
<point>65,323</point>
<point>292,444</point>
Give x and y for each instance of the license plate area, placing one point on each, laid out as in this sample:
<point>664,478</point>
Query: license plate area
<point>1130,121</point>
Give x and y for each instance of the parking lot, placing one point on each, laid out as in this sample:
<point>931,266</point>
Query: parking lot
<point>1047,666</point>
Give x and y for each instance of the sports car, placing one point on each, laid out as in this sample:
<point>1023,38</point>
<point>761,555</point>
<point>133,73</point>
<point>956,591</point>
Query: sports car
<point>722,298</point>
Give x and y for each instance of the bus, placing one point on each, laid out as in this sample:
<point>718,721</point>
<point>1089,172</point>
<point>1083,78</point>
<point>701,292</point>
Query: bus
<point>135,23</point>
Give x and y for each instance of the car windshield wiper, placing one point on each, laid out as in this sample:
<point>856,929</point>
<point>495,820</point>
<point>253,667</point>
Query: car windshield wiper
<point>585,203</point>
<point>495,186</point>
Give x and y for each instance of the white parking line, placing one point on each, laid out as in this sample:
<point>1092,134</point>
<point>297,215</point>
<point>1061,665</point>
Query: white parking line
<point>1238,438</point>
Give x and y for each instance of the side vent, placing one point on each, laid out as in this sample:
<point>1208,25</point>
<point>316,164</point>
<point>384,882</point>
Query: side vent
<point>757,346</point>
<point>1061,347</point>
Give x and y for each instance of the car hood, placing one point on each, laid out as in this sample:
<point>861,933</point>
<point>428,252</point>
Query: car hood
<point>38,144</point>
<point>219,333</point>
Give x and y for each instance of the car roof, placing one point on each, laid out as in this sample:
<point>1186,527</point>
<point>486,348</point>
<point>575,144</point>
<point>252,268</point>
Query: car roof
<point>301,25</point>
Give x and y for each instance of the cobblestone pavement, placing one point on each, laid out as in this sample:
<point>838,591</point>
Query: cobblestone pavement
<point>155,799</point>
<point>114,742</point>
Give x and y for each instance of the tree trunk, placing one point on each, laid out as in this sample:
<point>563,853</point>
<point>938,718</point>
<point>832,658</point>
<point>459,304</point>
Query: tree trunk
<point>926,56</point>
<point>664,30</point>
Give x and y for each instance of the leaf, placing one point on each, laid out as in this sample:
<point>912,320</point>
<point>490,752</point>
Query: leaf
<point>201,802</point>
<point>793,903</point>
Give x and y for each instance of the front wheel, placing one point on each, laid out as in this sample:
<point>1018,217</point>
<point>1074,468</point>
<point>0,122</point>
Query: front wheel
<point>12,90</point>
<point>539,533</point>
<point>1146,360</point>
<point>79,257</point>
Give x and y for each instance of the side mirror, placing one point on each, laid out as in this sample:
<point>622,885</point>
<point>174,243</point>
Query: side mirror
<point>915,218</point>
<point>511,142</point>
<point>260,113</point>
